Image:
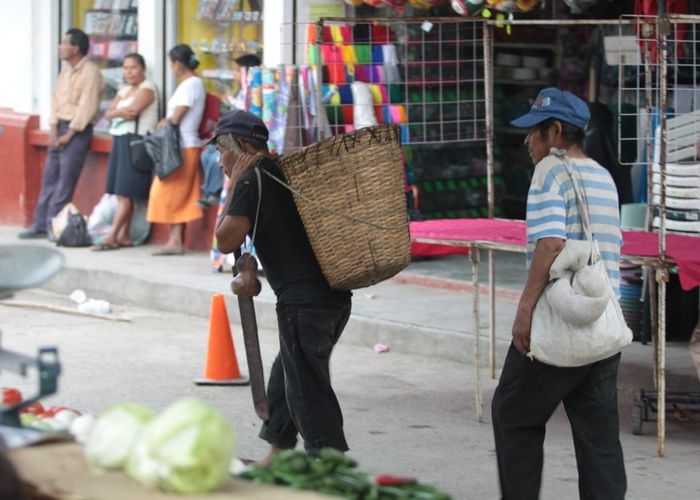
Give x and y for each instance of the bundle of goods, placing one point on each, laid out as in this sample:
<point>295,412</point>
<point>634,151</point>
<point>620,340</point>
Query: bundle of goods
<point>349,191</point>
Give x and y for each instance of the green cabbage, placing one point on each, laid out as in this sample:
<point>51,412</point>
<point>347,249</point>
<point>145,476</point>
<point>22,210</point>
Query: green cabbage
<point>185,449</point>
<point>111,439</point>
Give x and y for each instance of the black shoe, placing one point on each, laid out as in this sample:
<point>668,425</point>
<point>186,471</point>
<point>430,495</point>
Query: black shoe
<point>32,234</point>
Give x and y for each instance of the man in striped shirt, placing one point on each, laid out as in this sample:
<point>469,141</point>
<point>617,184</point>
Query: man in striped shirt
<point>529,391</point>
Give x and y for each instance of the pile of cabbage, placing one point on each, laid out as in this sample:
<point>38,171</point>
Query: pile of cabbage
<point>187,448</point>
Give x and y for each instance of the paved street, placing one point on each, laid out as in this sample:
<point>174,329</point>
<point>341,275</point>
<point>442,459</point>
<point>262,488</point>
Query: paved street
<point>405,413</point>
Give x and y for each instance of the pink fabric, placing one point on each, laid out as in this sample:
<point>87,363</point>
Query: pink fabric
<point>465,230</point>
<point>430,250</point>
<point>682,249</point>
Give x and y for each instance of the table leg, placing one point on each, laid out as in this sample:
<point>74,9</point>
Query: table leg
<point>474,255</point>
<point>492,312</point>
<point>661,367</point>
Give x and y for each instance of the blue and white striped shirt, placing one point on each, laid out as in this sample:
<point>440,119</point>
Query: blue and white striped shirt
<point>552,210</point>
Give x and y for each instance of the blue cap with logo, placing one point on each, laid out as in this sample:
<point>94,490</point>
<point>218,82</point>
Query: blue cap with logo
<point>557,104</point>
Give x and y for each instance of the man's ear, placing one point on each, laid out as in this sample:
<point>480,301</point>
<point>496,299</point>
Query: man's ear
<point>557,130</point>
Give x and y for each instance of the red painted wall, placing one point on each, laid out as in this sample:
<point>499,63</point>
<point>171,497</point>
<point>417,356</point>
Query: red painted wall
<point>23,149</point>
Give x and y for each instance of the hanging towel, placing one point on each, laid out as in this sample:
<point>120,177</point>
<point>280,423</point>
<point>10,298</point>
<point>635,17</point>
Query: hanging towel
<point>313,55</point>
<point>405,136</point>
<point>376,93</point>
<point>391,70</point>
<point>336,35</point>
<point>336,73</point>
<point>360,33</point>
<point>377,54</point>
<point>362,106</point>
<point>378,113</point>
<point>363,53</point>
<point>380,34</point>
<point>349,73</point>
<point>363,73</point>
<point>348,114</point>
<point>386,111</point>
<point>395,93</point>
<point>347,33</point>
<point>377,73</point>
<point>348,54</point>
<point>327,37</point>
<point>345,94</point>
<point>310,33</point>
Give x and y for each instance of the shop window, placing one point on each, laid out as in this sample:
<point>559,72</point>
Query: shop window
<point>219,31</point>
<point>112,26</point>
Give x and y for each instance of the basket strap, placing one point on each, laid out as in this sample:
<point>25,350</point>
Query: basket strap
<point>330,209</point>
<point>257,211</point>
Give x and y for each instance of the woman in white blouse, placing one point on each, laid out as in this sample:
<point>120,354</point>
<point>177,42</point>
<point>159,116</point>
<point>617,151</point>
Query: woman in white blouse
<point>134,110</point>
<point>173,200</point>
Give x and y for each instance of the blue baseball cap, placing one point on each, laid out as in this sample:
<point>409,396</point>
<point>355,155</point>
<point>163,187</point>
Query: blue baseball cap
<point>557,104</point>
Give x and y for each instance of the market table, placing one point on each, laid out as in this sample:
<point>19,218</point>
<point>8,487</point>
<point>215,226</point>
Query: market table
<point>60,470</point>
<point>639,247</point>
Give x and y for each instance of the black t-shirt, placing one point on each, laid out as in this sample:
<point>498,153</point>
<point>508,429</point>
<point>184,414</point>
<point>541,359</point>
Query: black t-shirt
<point>281,242</point>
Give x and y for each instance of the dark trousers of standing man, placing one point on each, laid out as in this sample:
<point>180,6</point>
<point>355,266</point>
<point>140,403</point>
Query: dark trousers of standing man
<point>300,396</point>
<point>527,395</point>
<point>61,174</point>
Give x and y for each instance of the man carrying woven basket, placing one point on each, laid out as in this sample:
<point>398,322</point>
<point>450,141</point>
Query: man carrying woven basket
<point>311,316</point>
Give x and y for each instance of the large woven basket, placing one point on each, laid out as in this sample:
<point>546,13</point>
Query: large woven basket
<point>349,191</point>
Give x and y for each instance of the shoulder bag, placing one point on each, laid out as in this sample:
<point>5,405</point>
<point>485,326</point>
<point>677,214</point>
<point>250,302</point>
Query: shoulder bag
<point>577,320</point>
<point>138,154</point>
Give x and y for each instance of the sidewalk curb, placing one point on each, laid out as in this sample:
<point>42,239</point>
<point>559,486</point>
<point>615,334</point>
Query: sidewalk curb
<point>361,330</point>
<point>454,285</point>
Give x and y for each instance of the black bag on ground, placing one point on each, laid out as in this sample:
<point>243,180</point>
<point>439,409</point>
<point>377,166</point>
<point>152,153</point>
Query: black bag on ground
<point>163,147</point>
<point>75,233</point>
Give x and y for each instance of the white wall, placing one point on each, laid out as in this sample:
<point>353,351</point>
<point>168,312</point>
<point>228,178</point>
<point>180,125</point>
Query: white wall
<point>30,39</point>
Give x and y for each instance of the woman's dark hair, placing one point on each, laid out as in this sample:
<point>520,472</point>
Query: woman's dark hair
<point>185,55</point>
<point>571,133</point>
<point>136,57</point>
<point>79,39</point>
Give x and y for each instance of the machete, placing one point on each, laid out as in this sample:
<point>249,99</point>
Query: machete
<point>245,286</point>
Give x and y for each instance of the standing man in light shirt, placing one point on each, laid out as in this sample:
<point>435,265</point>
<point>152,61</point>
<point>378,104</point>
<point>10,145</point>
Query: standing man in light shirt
<point>75,103</point>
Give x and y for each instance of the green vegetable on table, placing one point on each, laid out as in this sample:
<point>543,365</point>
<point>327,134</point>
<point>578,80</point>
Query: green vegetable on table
<point>332,473</point>
<point>186,449</point>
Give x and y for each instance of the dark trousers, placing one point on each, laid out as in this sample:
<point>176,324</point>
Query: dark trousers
<point>300,396</point>
<point>527,395</point>
<point>61,174</point>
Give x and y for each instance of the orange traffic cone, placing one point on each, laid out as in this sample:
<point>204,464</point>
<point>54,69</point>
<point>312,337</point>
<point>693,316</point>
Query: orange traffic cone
<point>221,365</point>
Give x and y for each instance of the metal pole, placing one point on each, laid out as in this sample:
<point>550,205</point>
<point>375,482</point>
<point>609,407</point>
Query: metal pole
<point>474,256</point>
<point>488,105</point>
<point>320,110</point>
<point>663,29</point>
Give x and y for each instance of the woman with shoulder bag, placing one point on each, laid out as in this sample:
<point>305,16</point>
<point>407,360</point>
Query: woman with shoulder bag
<point>134,111</point>
<point>173,199</point>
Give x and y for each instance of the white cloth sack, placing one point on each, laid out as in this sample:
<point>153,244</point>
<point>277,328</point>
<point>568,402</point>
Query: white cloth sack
<point>577,319</point>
